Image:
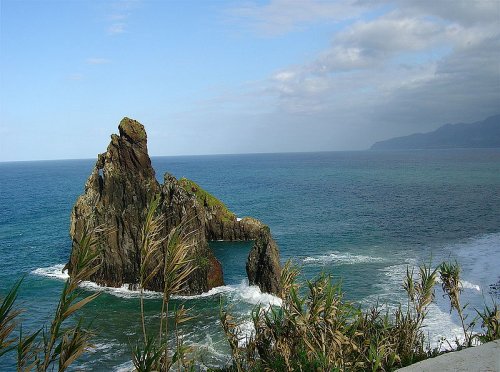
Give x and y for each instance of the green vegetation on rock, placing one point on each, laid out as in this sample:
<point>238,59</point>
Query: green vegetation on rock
<point>206,199</point>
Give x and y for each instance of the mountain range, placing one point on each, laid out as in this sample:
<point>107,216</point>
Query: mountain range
<point>481,134</point>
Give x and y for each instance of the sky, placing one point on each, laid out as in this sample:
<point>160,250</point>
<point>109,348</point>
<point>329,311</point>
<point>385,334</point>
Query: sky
<point>219,77</point>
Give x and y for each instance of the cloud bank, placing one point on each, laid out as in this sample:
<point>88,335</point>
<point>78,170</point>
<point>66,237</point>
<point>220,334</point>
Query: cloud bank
<point>396,68</point>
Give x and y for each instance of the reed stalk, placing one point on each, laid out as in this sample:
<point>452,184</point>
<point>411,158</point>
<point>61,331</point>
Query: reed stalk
<point>172,254</point>
<point>68,345</point>
<point>452,287</point>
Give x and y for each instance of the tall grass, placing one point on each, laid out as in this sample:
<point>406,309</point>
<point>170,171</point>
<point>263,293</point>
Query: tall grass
<point>58,345</point>
<point>150,253</point>
<point>316,329</point>
<point>452,288</point>
<point>9,319</point>
<point>172,256</point>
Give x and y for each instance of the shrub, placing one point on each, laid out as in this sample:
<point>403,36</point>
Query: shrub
<point>316,329</point>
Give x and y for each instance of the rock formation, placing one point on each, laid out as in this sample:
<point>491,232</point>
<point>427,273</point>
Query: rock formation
<point>263,263</point>
<point>116,197</point>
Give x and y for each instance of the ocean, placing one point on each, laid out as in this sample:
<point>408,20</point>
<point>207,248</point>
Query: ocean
<point>363,217</point>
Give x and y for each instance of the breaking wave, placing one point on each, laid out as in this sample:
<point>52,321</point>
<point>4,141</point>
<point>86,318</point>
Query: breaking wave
<point>341,258</point>
<point>55,271</point>
<point>250,294</point>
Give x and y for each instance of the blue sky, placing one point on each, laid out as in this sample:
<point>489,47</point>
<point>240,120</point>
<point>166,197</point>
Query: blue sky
<point>209,77</point>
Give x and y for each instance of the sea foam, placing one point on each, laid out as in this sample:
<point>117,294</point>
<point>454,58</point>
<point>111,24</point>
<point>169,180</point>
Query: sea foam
<point>340,258</point>
<point>439,323</point>
<point>250,294</point>
<point>125,367</point>
<point>464,284</point>
<point>125,291</point>
<point>55,271</point>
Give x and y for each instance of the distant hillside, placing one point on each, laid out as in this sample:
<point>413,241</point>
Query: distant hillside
<point>484,133</point>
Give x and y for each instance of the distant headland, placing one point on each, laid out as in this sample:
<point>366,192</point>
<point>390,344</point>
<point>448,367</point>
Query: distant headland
<point>481,134</point>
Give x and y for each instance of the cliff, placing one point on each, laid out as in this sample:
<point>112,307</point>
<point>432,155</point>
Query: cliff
<point>116,198</point>
<point>483,134</point>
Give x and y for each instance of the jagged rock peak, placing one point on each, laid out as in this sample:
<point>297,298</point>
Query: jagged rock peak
<point>116,198</point>
<point>133,131</point>
<point>128,152</point>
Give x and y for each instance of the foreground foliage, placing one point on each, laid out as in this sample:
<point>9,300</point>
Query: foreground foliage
<point>156,352</point>
<point>57,346</point>
<point>317,329</point>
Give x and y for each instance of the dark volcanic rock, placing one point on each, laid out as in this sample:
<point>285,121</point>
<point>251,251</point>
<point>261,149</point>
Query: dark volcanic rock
<point>116,197</point>
<point>263,264</point>
<point>178,206</point>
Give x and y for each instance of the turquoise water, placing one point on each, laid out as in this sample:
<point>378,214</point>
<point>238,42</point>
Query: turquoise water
<point>361,216</point>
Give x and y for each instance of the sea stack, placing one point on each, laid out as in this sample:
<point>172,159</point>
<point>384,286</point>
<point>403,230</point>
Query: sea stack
<point>116,198</point>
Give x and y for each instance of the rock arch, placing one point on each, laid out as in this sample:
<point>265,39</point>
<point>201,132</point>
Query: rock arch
<point>116,196</point>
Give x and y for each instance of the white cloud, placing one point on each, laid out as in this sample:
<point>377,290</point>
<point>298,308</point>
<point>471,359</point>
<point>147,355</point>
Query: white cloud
<point>392,33</point>
<point>118,17</point>
<point>464,12</point>
<point>281,16</point>
<point>120,14</point>
<point>284,76</point>
<point>465,87</point>
<point>408,67</point>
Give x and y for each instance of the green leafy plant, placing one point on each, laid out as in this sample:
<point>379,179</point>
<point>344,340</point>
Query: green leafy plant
<point>27,351</point>
<point>490,324</point>
<point>59,345</point>
<point>8,319</point>
<point>452,287</point>
<point>172,256</point>
<point>207,199</point>
<point>315,328</point>
<point>146,355</point>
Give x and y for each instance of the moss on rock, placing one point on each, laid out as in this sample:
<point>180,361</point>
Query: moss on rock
<point>133,130</point>
<point>206,199</point>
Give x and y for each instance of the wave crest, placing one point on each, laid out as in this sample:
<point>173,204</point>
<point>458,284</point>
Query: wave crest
<point>341,258</point>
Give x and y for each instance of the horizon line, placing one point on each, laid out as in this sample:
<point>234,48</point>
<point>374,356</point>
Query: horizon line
<point>194,155</point>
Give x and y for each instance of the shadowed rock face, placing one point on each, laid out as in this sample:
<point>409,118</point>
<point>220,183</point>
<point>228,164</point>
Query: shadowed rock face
<point>263,263</point>
<point>116,197</point>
